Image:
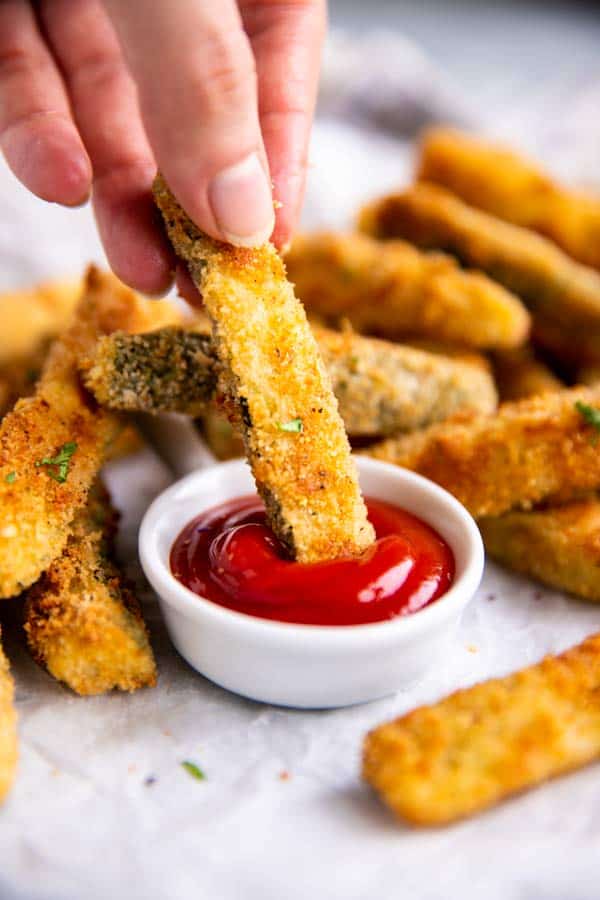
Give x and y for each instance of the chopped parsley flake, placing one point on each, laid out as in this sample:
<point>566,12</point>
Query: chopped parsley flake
<point>294,425</point>
<point>11,477</point>
<point>591,416</point>
<point>194,770</point>
<point>58,466</point>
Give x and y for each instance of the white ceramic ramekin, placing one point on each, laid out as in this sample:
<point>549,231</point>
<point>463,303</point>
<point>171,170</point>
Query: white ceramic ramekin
<point>309,666</point>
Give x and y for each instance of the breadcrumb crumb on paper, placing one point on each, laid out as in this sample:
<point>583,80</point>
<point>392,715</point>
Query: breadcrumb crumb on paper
<point>478,746</point>
<point>271,372</point>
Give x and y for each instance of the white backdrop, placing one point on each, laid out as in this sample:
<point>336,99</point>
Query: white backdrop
<point>83,823</point>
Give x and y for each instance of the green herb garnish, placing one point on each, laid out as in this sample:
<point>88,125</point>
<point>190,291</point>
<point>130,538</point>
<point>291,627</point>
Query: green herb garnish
<point>194,770</point>
<point>11,477</point>
<point>591,416</point>
<point>294,425</point>
<point>58,466</point>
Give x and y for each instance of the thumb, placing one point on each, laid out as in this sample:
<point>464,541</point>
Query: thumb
<point>197,87</point>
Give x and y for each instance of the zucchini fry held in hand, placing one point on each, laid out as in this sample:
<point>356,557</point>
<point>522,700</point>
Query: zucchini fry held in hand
<point>540,449</point>
<point>8,728</point>
<point>562,295</point>
<point>271,372</point>
<point>53,444</point>
<point>381,387</point>
<point>468,752</point>
<point>559,546</point>
<point>511,187</point>
<point>82,620</point>
<point>393,290</point>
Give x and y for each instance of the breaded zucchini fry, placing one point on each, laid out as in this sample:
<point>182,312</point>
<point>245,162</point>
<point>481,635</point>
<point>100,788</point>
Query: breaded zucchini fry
<point>559,546</point>
<point>82,620</point>
<point>511,187</point>
<point>8,728</point>
<point>222,439</point>
<point>381,387</point>
<point>468,752</point>
<point>169,370</point>
<point>519,374</point>
<point>393,290</point>
<point>271,371</point>
<point>31,317</point>
<point>563,296</point>
<point>534,450</point>
<point>53,444</point>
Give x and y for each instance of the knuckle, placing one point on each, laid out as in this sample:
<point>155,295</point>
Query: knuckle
<point>14,61</point>
<point>97,71</point>
<point>228,72</point>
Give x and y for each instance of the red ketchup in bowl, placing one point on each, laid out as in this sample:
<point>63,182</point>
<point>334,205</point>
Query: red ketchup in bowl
<point>229,555</point>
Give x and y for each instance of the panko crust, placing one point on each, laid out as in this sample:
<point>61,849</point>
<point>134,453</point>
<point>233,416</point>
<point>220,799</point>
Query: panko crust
<point>82,620</point>
<point>562,295</point>
<point>534,450</point>
<point>271,371</point>
<point>514,188</point>
<point>393,290</point>
<point>478,746</point>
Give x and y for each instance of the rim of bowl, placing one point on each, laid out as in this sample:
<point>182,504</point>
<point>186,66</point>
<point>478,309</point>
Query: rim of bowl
<point>196,606</point>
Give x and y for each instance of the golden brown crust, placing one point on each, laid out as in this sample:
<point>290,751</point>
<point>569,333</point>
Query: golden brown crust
<point>533,450</point>
<point>520,374</point>
<point>468,752</point>
<point>559,546</point>
<point>513,188</point>
<point>8,728</point>
<point>393,290</point>
<point>563,296</point>
<point>30,318</point>
<point>381,387</point>
<point>270,369</point>
<point>36,508</point>
<point>82,620</point>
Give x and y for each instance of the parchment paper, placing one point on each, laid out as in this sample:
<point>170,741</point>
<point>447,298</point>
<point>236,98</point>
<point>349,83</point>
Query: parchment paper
<point>102,807</point>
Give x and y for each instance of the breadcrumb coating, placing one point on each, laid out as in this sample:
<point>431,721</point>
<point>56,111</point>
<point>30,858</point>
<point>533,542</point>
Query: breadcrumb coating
<point>8,728</point>
<point>82,620</point>
<point>562,295</point>
<point>520,374</point>
<point>30,318</point>
<point>393,290</point>
<point>534,450</point>
<point>478,746</point>
<point>271,371</point>
<point>559,546</point>
<point>513,188</point>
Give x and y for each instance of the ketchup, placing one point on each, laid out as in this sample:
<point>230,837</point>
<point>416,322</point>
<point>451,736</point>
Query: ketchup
<point>229,555</point>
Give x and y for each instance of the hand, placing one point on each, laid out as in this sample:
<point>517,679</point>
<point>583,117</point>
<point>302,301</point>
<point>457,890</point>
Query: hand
<point>219,95</point>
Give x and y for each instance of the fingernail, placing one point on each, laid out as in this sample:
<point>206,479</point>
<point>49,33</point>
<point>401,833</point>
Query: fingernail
<point>242,203</point>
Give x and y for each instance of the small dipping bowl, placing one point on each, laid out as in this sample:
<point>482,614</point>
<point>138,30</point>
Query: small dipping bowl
<point>309,666</point>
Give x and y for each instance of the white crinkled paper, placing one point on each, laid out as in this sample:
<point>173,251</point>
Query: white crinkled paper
<point>102,807</point>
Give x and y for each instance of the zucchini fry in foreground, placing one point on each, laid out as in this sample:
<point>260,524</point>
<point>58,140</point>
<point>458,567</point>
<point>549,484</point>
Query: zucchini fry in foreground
<point>543,448</point>
<point>394,290</point>
<point>83,622</point>
<point>271,371</point>
<point>381,387</point>
<point>511,187</point>
<point>53,444</point>
<point>468,752</point>
<point>8,728</point>
<point>559,546</point>
<point>562,295</point>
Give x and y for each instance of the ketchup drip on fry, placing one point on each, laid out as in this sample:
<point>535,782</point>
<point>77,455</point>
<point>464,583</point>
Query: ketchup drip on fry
<point>230,556</point>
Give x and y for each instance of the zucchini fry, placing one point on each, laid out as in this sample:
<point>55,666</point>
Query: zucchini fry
<point>511,187</point>
<point>82,620</point>
<point>53,444</point>
<point>222,439</point>
<point>534,450</point>
<point>478,746</point>
<point>562,295</point>
<point>381,387</point>
<point>29,318</point>
<point>520,374</point>
<point>559,546</point>
<point>271,371</point>
<point>8,728</point>
<point>394,291</point>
